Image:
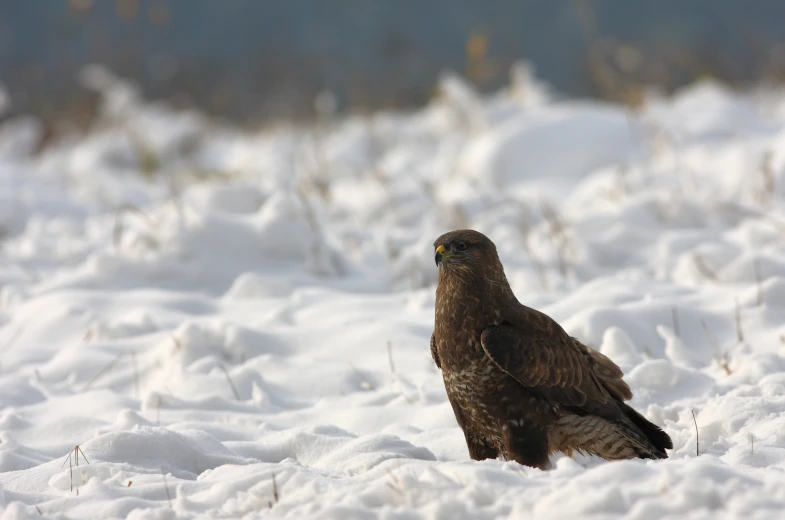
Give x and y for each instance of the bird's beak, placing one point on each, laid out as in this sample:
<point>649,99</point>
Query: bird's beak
<point>440,254</point>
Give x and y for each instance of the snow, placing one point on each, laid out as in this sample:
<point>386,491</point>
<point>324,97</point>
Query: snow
<point>235,323</point>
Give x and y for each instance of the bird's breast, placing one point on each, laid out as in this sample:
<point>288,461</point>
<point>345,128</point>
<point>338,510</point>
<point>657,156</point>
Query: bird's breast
<point>460,318</point>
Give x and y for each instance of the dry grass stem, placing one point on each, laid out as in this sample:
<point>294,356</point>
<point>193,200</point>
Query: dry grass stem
<point>697,435</point>
<point>231,383</point>
<point>739,330</point>
<point>166,488</point>
<point>703,267</point>
<point>758,282</point>
<point>390,357</point>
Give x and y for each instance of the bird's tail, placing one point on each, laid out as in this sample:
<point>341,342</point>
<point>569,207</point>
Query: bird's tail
<point>651,441</point>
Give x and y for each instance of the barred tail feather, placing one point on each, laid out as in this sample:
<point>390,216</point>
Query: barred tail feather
<point>658,439</point>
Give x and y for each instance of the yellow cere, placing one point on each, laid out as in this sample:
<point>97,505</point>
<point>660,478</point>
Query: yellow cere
<point>440,250</point>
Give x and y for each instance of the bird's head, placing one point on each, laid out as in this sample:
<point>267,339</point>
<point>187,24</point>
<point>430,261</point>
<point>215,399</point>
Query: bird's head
<point>464,251</point>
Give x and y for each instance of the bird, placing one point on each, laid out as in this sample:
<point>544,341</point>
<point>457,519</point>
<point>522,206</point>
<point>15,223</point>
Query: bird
<point>519,385</point>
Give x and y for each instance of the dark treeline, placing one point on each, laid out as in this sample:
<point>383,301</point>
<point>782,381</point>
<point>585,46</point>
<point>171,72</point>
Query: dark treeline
<point>251,60</point>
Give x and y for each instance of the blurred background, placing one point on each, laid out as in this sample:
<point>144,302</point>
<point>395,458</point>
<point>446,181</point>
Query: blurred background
<point>250,61</point>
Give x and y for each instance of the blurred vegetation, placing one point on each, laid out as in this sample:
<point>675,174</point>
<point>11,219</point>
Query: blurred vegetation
<point>255,61</point>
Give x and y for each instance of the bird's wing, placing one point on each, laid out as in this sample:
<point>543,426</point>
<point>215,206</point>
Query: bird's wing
<point>608,372</point>
<point>434,352</point>
<point>542,357</point>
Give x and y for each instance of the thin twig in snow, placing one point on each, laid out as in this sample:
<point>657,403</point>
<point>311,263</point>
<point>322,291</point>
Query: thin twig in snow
<point>558,237</point>
<point>697,438</point>
<point>703,267</point>
<point>166,487</point>
<point>77,450</point>
<point>103,371</point>
<point>722,357</point>
<point>118,230</point>
<point>539,269</point>
<point>758,282</point>
<point>177,343</point>
<point>390,357</point>
<point>767,170</point>
<point>136,374</point>
<point>744,211</point>
<point>739,331</point>
<point>231,383</point>
<point>712,340</point>
<point>395,485</point>
<point>275,493</point>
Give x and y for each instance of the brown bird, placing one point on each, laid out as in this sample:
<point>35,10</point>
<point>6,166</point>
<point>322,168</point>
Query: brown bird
<point>519,385</point>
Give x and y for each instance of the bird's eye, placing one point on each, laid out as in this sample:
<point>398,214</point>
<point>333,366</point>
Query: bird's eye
<point>460,246</point>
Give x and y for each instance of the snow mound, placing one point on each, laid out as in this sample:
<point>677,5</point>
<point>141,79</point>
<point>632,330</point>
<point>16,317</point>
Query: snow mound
<point>547,150</point>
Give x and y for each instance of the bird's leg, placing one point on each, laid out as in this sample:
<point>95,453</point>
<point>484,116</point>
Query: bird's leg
<point>479,448</point>
<point>526,443</point>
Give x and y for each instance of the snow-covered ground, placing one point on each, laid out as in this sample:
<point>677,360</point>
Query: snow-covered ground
<point>234,323</point>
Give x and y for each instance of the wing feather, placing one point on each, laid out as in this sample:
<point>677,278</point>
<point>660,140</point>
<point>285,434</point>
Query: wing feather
<point>541,356</point>
<point>609,374</point>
